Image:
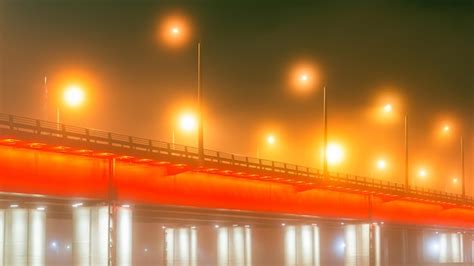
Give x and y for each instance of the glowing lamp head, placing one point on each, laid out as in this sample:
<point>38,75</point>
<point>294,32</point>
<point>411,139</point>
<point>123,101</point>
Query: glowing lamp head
<point>381,164</point>
<point>304,78</point>
<point>271,139</point>
<point>175,30</point>
<point>422,173</point>
<point>188,122</point>
<point>74,95</point>
<point>455,180</point>
<point>387,108</point>
<point>334,153</point>
<point>446,128</point>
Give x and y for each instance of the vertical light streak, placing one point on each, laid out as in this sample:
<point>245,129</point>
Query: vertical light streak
<point>193,247</point>
<point>99,235</point>
<point>183,247</point>
<point>290,245</point>
<point>169,238</point>
<point>306,247</point>
<point>222,246</point>
<point>248,246</point>
<point>81,236</point>
<point>16,237</point>
<point>377,243</point>
<point>238,246</point>
<point>2,236</point>
<point>456,248</point>
<point>36,238</point>
<point>350,240</point>
<point>124,237</point>
<point>316,246</point>
<point>90,235</point>
<point>443,248</point>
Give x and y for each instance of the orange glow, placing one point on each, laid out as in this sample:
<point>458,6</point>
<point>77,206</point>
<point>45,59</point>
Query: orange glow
<point>304,78</point>
<point>9,141</point>
<point>36,145</point>
<point>387,108</point>
<point>174,30</point>
<point>446,128</point>
<point>271,139</point>
<point>381,164</point>
<point>74,95</point>
<point>422,173</point>
<point>188,122</point>
<point>334,153</point>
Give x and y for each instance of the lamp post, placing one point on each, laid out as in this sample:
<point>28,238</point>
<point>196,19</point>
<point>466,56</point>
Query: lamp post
<point>175,32</point>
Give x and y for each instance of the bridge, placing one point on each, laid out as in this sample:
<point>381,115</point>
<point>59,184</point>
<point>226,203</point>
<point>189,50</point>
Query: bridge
<point>78,196</point>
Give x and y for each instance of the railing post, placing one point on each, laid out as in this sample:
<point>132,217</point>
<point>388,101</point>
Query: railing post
<point>218,157</point>
<point>130,140</point>
<point>186,151</point>
<point>63,130</point>
<point>109,136</point>
<point>10,121</point>
<point>88,137</point>
<point>247,161</point>
<point>233,159</point>
<point>150,145</point>
<point>38,127</point>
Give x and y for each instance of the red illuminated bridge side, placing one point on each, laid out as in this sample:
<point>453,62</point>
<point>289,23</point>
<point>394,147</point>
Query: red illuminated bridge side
<point>60,161</point>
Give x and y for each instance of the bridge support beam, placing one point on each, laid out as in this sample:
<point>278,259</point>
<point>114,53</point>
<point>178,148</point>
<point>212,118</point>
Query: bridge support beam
<point>90,236</point>
<point>22,237</point>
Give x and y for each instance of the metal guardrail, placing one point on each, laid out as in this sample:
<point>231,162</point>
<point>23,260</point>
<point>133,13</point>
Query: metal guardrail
<point>295,173</point>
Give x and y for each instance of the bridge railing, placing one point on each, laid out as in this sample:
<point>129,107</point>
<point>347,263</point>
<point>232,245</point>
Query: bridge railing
<point>296,172</point>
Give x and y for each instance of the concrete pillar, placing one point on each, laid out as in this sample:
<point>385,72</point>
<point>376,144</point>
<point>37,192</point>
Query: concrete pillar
<point>22,236</point>
<point>302,245</point>
<point>90,236</point>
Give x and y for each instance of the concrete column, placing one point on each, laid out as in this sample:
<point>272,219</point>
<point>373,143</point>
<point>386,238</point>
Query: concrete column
<point>90,236</point>
<point>22,237</point>
<point>302,245</point>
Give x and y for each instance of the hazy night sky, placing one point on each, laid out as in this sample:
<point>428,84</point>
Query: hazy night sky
<point>419,51</point>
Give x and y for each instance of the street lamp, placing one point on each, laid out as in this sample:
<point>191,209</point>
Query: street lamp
<point>270,141</point>
<point>73,96</point>
<point>334,153</point>
<point>187,122</point>
<point>303,78</point>
<point>446,129</point>
<point>388,109</point>
<point>175,31</point>
<point>381,164</point>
